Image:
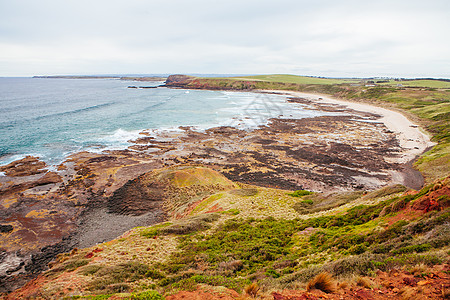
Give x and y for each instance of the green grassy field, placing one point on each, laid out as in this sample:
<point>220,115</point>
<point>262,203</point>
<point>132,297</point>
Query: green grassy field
<point>297,79</point>
<point>285,78</point>
<point>437,84</point>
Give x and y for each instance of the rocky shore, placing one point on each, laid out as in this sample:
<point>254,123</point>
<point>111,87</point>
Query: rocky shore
<point>91,197</point>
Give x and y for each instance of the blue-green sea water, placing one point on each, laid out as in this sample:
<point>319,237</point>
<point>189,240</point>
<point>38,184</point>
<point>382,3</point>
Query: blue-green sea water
<point>52,118</point>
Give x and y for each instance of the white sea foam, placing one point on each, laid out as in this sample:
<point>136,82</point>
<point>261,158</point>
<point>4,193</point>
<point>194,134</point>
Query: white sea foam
<point>120,136</point>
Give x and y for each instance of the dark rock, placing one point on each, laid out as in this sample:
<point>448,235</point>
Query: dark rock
<point>6,228</point>
<point>137,196</point>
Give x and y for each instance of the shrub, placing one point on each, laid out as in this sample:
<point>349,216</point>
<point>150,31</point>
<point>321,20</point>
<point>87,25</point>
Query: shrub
<point>358,249</point>
<point>393,231</point>
<point>302,275</point>
<point>154,274</point>
<point>90,269</point>
<point>364,282</point>
<point>73,264</point>
<point>232,265</point>
<point>300,193</point>
<point>318,202</point>
<point>382,248</point>
<point>118,288</point>
<point>270,239</point>
<point>444,201</point>
<point>252,290</point>
<point>192,282</point>
<point>323,282</point>
<point>108,277</point>
<point>244,192</point>
<point>386,191</point>
<point>232,212</point>
<point>154,230</point>
<point>147,295</point>
<point>190,225</point>
<point>358,265</point>
<point>412,248</point>
<point>272,273</point>
<point>307,201</point>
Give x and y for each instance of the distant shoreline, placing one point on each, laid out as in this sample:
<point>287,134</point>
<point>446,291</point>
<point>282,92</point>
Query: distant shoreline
<point>131,78</point>
<point>411,138</point>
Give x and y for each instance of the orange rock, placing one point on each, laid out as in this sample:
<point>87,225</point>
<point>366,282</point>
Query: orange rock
<point>423,282</point>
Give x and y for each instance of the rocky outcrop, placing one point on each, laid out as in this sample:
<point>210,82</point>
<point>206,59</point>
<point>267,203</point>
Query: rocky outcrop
<point>26,166</point>
<point>137,196</point>
<point>178,80</point>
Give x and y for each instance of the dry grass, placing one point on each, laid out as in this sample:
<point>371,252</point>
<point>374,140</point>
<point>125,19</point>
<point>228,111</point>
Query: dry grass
<point>193,224</point>
<point>323,282</point>
<point>321,202</point>
<point>252,289</point>
<point>364,282</point>
<point>419,269</point>
<point>343,285</point>
<point>409,293</point>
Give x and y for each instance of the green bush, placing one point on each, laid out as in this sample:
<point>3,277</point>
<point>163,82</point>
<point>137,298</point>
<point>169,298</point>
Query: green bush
<point>154,274</point>
<point>272,273</point>
<point>152,231</point>
<point>190,225</point>
<point>412,248</point>
<point>358,249</point>
<point>73,264</point>
<point>244,192</point>
<point>300,193</point>
<point>147,295</point>
<point>90,269</point>
<point>228,282</point>
<point>357,265</point>
<point>107,278</point>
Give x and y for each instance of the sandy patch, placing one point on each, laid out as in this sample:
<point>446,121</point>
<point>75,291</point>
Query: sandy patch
<point>413,140</point>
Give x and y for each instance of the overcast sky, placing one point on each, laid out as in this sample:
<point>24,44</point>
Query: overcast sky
<point>398,38</point>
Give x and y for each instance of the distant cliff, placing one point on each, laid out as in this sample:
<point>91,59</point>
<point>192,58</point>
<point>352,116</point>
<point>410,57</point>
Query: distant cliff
<point>178,80</point>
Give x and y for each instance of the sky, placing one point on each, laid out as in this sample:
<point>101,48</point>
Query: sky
<point>395,38</point>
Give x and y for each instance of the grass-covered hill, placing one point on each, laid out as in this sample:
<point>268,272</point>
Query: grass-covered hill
<point>226,240</point>
<point>276,239</point>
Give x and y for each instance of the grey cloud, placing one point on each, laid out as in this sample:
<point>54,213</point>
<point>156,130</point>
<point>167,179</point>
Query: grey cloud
<point>323,37</point>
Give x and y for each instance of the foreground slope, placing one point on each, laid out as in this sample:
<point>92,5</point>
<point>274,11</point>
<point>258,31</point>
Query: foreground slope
<point>235,237</point>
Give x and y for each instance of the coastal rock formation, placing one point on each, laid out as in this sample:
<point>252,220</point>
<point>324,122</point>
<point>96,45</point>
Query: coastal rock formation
<point>178,80</point>
<point>26,166</point>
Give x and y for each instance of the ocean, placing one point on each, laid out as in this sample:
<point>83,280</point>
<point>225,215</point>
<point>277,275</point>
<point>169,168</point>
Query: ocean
<point>52,118</point>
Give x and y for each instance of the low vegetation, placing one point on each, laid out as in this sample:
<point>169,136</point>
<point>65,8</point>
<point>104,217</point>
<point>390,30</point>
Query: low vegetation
<point>395,228</point>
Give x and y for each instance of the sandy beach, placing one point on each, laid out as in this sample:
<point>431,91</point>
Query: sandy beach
<point>412,138</point>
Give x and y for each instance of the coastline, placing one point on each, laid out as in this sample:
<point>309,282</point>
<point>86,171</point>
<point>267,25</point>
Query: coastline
<point>412,138</point>
<point>357,151</point>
